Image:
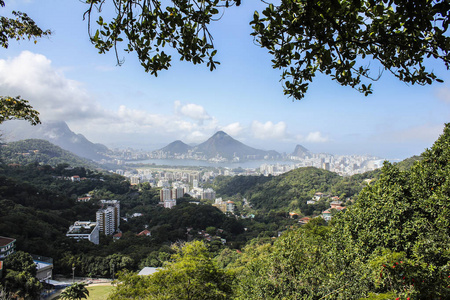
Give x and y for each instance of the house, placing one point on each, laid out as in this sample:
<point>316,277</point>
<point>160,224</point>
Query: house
<point>304,220</point>
<point>75,178</point>
<point>117,236</point>
<point>335,204</point>
<point>83,199</point>
<point>326,215</point>
<point>145,232</point>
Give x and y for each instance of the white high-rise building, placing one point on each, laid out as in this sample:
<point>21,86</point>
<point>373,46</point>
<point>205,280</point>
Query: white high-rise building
<point>165,194</point>
<point>108,218</point>
<point>177,192</point>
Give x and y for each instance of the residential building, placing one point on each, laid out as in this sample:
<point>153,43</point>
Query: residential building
<point>177,192</point>
<point>107,221</point>
<point>230,206</point>
<point>170,203</point>
<point>84,230</point>
<point>165,194</point>
<point>108,218</point>
<point>209,194</point>
<point>44,267</point>
<point>7,247</point>
<point>135,180</point>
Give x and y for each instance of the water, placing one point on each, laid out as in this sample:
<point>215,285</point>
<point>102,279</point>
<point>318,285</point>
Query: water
<point>252,164</point>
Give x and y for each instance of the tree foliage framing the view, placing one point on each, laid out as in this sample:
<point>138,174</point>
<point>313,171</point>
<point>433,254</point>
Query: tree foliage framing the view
<point>17,108</point>
<point>338,38</point>
<point>148,27</point>
<point>20,27</point>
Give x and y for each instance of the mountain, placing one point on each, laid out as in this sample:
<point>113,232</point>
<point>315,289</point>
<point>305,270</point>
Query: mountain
<point>29,151</point>
<point>301,151</point>
<point>219,145</point>
<point>58,133</point>
<point>177,147</point>
<point>224,145</point>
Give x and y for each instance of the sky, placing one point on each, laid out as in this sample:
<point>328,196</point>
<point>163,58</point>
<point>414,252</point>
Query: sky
<point>65,78</point>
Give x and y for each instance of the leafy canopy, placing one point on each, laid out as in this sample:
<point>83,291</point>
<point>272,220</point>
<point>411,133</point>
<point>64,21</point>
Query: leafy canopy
<point>20,27</point>
<point>148,27</point>
<point>17,108</point>
<point>338,38</point>
<point>76,291</point>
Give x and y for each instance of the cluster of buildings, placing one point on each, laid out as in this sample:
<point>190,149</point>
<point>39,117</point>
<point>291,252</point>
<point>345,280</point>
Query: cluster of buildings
<point>224,206</point>
<point>107,222</point>
<point>344,165</point>
<point>44,265</point>
<point>335,204</point>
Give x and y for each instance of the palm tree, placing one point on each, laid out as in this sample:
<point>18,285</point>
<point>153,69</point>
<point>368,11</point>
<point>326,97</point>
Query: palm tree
<point>76,291</point>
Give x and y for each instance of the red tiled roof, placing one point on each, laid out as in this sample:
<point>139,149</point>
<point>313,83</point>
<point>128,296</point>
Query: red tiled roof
<point>144,232</point>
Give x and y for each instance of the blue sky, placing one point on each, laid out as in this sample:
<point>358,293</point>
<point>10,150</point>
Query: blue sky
<point>65,78</point>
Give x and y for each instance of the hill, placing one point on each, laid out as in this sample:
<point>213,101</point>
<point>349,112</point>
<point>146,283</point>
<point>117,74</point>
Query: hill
<point>58,133</point>
<point>224,145</point>
<point>43,152</point>
<point>177,147</point>
<point>301,151</point>
<point>290,191</point>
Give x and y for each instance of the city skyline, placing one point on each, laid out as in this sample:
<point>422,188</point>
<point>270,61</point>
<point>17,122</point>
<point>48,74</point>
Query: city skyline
<point>65,78</point>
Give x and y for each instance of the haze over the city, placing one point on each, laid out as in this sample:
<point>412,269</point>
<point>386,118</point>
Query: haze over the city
<point>64,78</point>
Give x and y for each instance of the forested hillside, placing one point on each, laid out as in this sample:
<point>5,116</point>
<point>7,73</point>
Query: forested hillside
<point>392,243</point>
<point>40,151</point>
<point>290,191</point>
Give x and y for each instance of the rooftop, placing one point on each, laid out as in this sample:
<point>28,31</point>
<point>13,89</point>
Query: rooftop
<point>5,241</point>
<point>82,227</point>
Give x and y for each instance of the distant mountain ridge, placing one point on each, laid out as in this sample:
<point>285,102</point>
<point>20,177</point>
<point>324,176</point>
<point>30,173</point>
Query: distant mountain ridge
<point>58,133</point>
<point>220,145</point>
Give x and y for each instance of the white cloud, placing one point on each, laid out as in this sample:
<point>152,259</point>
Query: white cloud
<point>193,111</point>
<point>58,98</point>
<point>316,137</point>
<point>48,90</point>
<point>268,130</point>
<point>233,129</point>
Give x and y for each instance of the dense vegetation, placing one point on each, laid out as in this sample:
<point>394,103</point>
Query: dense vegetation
<point>392,243</point>
<point>290,191</point>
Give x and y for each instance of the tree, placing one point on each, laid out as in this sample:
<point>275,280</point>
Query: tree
<point>17,108</point>
<point>76,291</point>
<point>20,27</point>
<point>20,276</point>
<point>338,38</point>
<point>400,226</point>
<point>191,274</point>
